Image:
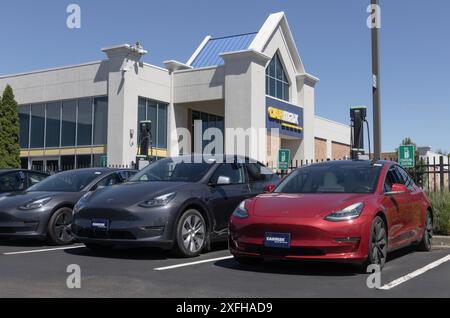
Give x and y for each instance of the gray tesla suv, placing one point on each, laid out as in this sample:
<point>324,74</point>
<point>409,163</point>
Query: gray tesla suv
<point>181,203</point>
<point>45,209</point>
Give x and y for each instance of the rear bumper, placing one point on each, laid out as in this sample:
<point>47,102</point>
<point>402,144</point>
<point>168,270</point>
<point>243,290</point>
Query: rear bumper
<point>314,239</point>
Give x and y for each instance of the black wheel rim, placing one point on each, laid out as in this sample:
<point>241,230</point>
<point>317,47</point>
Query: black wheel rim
<point>428,230</point>
<point>378,243</point>
<point>62,228</point>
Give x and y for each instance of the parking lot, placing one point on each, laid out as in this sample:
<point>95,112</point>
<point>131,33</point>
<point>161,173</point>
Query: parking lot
<point>30,269</point>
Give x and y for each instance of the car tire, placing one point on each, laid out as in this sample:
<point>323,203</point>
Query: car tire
<point>191,234</point>
<point>59,230</point>
<point>243,260</point>
<point>426,241</point>
<point>377,245</point>
<point>98,247</point>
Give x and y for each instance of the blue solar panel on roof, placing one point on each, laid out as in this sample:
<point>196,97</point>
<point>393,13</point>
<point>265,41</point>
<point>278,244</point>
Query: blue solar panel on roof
<point>209,55</point>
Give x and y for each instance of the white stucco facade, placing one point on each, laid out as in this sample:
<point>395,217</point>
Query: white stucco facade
<point>234,90</point>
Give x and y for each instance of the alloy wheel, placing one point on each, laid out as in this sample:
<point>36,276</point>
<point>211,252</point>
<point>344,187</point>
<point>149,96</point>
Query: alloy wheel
<point>428,230</point>
<point>62,228</point>
<point>193,233</point>
<point>378,243</point>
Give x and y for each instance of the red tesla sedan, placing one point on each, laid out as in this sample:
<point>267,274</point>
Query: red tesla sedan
<point>354,211</point>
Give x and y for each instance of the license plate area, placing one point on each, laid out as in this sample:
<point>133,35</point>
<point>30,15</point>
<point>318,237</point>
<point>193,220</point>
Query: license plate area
<point>277,240</point>
<point>100,224</point>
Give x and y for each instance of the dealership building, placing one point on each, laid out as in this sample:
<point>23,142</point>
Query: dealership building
<point>88,114</point>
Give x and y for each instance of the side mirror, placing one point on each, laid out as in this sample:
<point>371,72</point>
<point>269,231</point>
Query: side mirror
<point>269,188</point>
<point>223,180</point>
<point>397,188</point>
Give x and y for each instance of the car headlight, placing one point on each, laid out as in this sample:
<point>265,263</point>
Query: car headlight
<point>241,211</point>
<point>162,200</point>
<point>349,213</point>
<point>36,204</point>
<point>82,201</point>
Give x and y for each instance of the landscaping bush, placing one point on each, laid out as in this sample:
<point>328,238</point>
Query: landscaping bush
<point>441,207</point>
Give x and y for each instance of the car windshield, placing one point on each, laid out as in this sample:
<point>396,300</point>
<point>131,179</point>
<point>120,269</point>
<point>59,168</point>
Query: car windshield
<point>68,181</point>
<point>333,178</point>
<point>173,169</point>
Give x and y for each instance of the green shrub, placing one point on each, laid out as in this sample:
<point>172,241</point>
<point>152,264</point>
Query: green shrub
<point>441,207</point>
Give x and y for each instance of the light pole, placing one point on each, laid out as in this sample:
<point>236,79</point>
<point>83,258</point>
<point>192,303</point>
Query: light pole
<point>376,80</point>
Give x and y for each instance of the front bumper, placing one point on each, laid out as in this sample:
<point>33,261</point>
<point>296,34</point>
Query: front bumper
<point>311,238</point>
<point>139,227</point>
<point>20,223</point>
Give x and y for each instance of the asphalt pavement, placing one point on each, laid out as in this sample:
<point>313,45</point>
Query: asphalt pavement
<point>31,269</point>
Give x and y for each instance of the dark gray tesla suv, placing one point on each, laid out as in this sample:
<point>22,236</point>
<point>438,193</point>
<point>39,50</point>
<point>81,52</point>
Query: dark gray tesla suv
<point>45,209</point>
<point>181,203</point>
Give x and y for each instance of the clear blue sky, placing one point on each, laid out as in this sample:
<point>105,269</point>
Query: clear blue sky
<point>331,36</point>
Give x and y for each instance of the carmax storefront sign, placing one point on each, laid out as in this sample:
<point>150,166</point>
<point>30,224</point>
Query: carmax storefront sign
<point>284,116</point>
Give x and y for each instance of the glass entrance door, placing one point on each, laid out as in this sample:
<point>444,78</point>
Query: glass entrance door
<point>52,165</point>
<point>37,164</point>
<point>45,164</point>
<point>207,121</point>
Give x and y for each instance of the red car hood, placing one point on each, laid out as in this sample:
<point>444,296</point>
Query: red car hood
<point>303,205</point>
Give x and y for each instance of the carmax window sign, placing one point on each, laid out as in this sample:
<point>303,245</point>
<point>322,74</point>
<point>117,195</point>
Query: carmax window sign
<point>284,116</point>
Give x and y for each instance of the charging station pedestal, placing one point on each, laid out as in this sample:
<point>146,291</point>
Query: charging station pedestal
<point>358,116</point>
<point>145,143</point>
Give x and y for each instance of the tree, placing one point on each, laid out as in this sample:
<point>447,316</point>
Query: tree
<point>408,141</point>
<point>9,131</point>
<point>442,152</point>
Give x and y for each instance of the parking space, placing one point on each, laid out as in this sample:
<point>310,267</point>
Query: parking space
<point>32,270</point>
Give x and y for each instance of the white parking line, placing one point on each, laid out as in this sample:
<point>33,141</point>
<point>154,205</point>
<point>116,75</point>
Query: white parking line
<point>416,273</point>
<point>192,263</point>
<point>44,250</point>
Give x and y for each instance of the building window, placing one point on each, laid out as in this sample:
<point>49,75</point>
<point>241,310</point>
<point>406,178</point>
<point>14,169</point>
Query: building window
<point>37,125</point>
<point>84,122</point>
<point>100,120</point>
<point>277,84</point>
<point>208,121</point>
<point>24,163</point>
<point>97,160</point>
<point>67,162</point>
<point>69,117</point>
<point>24,122</point>
<point>156,112</point>
<point>84,161</point>
<point>162,129</point>
<point>52,125</point>
<point>152,111</point>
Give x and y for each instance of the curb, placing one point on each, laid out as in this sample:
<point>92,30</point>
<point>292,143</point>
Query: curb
<point>441,241</point>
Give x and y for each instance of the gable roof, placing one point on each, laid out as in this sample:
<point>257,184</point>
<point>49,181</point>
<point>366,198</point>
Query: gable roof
<point>273,22</point>
<point>208,53</point>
